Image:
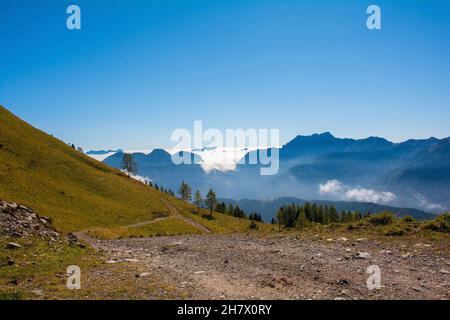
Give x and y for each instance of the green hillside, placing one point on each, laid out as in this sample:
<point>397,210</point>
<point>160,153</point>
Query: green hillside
<point>75,191</point>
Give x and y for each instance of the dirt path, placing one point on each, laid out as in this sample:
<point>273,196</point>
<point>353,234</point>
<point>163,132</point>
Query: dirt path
<point>176,214</point>
<point>280,267</point>
<point>144,223</point>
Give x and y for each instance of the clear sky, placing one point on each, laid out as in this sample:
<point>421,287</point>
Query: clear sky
<point>140,69</point>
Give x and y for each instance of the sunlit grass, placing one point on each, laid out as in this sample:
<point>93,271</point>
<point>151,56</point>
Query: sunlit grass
<point>167,227</point>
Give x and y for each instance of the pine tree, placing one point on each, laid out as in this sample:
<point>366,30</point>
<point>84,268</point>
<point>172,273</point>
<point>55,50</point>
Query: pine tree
<point>221,207</point>
<point>334,216</point>
<point>185,191</point>
<point>128,164</point>
<point>211,201</point>
<point>238,212</point>
<point>308,212</point>
<point>302,221</point>
<point>281,216</point>
<point>230,209</point>
<point>198,200</point>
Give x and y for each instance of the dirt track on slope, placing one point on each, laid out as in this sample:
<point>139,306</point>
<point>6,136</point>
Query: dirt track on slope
<point>282,267</point>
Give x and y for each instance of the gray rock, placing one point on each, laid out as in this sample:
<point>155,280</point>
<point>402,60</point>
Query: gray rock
<point>13,246</point>
<point>362,255</point>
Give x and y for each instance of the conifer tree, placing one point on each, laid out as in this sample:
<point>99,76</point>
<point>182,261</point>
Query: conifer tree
<point>211,201</point>
<point>128,164</point>
<point>198,200</point>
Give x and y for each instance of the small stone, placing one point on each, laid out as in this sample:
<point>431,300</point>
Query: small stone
<point>444,271</point>
<point>144,274</point>
<point>199,272</point>
<point>362,255</point>
<point>37,292</point>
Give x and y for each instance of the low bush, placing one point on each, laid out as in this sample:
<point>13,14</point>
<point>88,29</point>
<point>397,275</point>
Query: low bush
<point>395,231</point>
<point>408,219</point>
<point>440,224</point>
<point>383,219</point>
<point>253,225</point>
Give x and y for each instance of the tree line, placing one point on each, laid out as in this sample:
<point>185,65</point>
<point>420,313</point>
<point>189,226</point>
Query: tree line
<point>211,203</point>
<point>293,215</point>
<point>237,212</point>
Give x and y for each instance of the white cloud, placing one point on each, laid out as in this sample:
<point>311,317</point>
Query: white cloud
<point>341,191</point>
<point>331,187</point>
<point>369,195</point>
<point>220,159</point>
<point>101,157</point>
<point>424,203</point>
<point>138,177</point>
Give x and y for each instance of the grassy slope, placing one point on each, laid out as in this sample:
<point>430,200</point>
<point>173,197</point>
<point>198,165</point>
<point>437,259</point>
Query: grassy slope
<point>78,192</point>
<point>74,190</point>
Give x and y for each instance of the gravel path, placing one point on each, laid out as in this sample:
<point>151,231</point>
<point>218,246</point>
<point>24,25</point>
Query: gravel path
<point>282,267</point>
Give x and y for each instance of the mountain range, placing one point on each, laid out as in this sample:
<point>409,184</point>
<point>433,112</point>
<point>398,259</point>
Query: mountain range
<point>413,173</point>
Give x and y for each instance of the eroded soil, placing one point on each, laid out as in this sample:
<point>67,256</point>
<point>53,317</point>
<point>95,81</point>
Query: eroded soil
<point>252,266</point>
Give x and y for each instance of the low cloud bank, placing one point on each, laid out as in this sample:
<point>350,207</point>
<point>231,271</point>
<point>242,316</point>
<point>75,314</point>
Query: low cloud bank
<point>220,159</point>
<point>424,203</point>
<point>343,192</point>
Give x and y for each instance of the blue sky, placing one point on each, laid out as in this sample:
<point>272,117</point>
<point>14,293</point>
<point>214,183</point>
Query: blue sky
<point>140,69</point>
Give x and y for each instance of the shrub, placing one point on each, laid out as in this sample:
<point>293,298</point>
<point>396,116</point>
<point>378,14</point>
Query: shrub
<point>302,222</point>
<point>395,231</point>
<point>351,226</point>
<point>383,218</point>
<point>440,224</point>
<point>253,226</point>
<point>408,219</point>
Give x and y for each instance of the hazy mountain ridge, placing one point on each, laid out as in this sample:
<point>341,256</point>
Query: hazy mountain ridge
<point>269,208</point>
<point>415,172</point>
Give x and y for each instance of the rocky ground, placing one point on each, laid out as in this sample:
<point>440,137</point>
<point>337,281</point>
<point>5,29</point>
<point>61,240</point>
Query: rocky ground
<point>17,221</point>
<point>284,267</point>
<point>232,266</point>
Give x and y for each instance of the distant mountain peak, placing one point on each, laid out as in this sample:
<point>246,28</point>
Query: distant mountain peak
<point>158,152</point>
<point>326,135</point>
